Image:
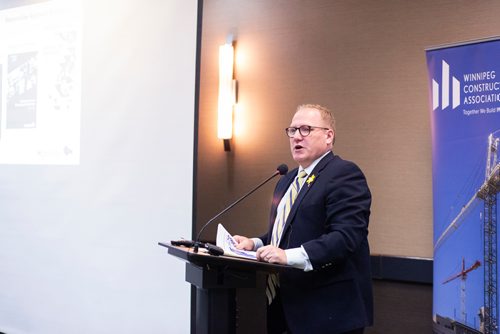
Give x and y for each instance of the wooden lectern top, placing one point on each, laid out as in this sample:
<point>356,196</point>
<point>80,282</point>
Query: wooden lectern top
<point>202,258</point>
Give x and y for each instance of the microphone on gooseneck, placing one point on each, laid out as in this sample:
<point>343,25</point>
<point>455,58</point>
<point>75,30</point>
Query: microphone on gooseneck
<point>214,250</point>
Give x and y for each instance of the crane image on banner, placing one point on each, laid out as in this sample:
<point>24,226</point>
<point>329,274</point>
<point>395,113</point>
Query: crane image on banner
<point>487,194</point>
<point>463,277</point>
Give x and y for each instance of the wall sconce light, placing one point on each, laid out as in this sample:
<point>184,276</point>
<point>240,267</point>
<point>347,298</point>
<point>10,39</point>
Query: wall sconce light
<point>227,94</point>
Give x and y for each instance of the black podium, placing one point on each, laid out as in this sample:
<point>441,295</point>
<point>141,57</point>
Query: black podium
<point>216,279</point>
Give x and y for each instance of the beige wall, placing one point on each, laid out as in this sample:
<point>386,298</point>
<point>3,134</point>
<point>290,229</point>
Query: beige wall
<point>363,59</point>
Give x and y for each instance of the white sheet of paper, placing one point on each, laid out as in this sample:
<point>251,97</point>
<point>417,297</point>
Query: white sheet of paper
<point>228,244</point>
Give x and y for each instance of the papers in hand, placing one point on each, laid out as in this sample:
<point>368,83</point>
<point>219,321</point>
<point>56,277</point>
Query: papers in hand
<point>228,244</point>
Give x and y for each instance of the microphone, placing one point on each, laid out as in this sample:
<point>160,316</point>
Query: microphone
<point>280,170</point>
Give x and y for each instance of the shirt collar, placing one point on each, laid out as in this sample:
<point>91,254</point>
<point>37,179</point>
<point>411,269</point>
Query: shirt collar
<point>311,167</point>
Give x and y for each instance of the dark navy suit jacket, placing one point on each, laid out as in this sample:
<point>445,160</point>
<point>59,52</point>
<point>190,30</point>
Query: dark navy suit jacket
<point>330,220</point>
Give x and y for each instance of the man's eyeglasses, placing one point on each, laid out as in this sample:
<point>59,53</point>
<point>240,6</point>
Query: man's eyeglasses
<point>304,130</point>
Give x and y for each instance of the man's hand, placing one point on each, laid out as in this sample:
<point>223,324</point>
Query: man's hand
<point>244,243</point>
<point>271,254</point>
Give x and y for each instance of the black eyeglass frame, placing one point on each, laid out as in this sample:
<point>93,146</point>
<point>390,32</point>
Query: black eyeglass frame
<point>290,131</point>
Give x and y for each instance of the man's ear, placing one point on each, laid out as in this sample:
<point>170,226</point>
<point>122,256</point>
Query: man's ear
<point>330,137</point>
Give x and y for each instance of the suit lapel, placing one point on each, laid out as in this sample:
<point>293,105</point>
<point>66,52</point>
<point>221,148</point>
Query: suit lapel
<point>308,185</point>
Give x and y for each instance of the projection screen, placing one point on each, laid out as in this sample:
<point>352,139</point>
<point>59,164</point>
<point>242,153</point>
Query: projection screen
<point>96,164</point>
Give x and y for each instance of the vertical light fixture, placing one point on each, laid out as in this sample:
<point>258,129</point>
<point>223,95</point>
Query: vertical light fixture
<point>227,94</point>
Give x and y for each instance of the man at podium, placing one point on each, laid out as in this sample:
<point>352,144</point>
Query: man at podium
<point>319,223</point>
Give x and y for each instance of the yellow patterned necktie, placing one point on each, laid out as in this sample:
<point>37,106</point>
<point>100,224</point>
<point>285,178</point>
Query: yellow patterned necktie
<point>291,196</point>
<point>272,279</point>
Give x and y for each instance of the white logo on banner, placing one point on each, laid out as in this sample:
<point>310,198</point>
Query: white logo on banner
<point>445,89</point>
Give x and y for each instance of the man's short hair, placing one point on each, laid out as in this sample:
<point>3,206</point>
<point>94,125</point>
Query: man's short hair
<point>326,113</point>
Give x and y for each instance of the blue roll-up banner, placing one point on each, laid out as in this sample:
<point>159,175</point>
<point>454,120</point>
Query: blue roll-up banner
<point>464,88</point>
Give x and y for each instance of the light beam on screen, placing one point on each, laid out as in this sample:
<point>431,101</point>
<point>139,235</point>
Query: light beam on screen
<point>40,83</point>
